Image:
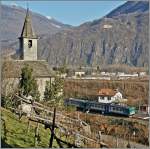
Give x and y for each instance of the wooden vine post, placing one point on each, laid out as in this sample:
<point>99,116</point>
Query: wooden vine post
<point>28,128</point>
<point>100,135</point>
<point>5,130</point>
<point>36,135</point>
<point>52,130</point>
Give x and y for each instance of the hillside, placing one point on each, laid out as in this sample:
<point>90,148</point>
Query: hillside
<point>16,132</point>
<point>12,22</point>
<point>121,37</point>
<point>116,38</point>
<point>130,7</point>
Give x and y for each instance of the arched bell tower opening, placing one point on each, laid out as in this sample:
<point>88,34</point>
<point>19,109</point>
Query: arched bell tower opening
<point>28,40</point>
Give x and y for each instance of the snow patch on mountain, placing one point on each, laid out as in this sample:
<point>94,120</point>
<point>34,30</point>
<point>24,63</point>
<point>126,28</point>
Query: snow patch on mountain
<point>55,25</point>
<point>49,17</point>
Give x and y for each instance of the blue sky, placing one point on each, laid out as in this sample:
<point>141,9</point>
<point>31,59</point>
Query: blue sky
<point>70,12</point>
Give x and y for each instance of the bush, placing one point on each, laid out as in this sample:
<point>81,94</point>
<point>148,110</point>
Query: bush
<point>6,102</point>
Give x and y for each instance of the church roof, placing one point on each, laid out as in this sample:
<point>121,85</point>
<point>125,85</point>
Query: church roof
<point>12,68</point>
<point>27,30</point>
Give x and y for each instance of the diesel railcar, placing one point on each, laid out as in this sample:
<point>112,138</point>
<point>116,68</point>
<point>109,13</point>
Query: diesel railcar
<point>105,108</point>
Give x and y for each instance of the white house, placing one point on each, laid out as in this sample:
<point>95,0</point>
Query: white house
<point>109,95</point>
<point>108,73</point>
<point>126,76</point>
<point>79,73</point>
<point>62,75</point>
<point>141,74</point>
<point>107,26</point>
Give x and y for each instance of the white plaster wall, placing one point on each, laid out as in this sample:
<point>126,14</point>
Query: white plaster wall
<point>29,53</point>
<point>105,99</point>
<point>9,85</point>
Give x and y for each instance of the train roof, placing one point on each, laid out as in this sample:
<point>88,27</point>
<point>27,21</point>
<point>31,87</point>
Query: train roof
<point>76,99</point>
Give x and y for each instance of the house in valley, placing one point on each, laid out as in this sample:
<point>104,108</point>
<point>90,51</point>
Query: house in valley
<point>107,95</point>
<point>79,73</point>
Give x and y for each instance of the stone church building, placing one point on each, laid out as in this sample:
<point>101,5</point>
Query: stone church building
<point>11,69</point>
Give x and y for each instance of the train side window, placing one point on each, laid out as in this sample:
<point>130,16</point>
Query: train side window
<point>119,109</point>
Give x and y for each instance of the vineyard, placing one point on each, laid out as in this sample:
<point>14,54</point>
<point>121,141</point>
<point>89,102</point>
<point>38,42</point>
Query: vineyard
<point>48,127</point>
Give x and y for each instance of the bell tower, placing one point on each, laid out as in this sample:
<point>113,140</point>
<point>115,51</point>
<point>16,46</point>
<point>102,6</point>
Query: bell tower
<point>28,40</point>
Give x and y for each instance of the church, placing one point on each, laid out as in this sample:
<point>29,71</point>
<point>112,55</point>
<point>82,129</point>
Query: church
<point>11,69</point>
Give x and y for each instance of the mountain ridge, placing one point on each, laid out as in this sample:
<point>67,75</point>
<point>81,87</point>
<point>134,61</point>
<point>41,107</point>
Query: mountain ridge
<point>13,19</point>
<point>119,37</point>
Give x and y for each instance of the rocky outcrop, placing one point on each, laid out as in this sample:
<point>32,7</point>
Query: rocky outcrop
<point>120,37</point>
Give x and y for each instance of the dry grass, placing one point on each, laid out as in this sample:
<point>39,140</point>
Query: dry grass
<point>132,89</point>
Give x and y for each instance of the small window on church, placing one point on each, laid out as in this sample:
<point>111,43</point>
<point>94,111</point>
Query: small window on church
<point>30,43</point>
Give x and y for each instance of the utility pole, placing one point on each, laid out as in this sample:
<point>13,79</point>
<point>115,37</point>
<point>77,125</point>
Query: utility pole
<point>52,130</point>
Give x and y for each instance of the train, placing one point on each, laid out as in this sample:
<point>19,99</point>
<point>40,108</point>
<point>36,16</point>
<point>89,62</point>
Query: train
<point>103,108</point>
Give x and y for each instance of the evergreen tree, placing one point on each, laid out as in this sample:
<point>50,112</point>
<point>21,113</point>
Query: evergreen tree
<point>47,93</point>
<point>53,91</point>
<point>28,85</point>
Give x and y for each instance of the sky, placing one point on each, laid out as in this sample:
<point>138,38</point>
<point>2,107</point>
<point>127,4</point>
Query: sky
<point>70,12</point>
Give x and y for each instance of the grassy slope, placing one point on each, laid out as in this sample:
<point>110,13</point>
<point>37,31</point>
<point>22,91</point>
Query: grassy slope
<point>17,135</point>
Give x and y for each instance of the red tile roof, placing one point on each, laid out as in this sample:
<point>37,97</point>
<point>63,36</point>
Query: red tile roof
<point>106,92</point>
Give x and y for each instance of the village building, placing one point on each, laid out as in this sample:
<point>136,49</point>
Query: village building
<point>62,75</point>
<point>108,74</point>
<point>123,76</point>
<point>142,74</point>
<point>107,95</point>
<point>11,69</point>
<point>79,73</point>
